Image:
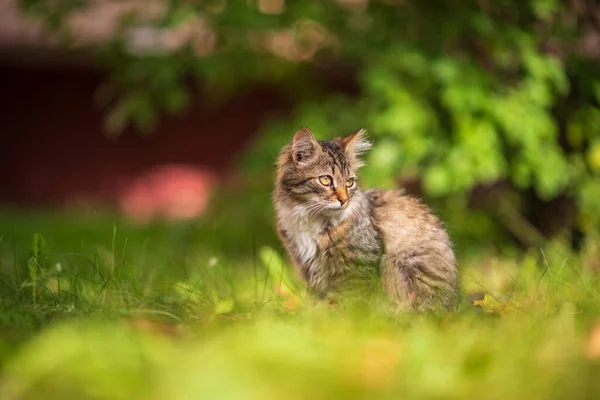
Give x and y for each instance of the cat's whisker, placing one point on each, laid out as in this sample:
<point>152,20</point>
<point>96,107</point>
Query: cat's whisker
<point>314,211</point>
<point>313,208</point>
<point>306,210</point>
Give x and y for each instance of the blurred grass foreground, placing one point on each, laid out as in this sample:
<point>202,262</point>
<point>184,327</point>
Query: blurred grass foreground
<point>102,311</point>
<point>161,276</point>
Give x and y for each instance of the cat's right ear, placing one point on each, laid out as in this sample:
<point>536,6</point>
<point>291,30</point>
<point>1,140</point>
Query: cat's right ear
<point>304,146</point>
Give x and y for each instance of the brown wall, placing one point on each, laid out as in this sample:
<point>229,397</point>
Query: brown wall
<point>53,149</point>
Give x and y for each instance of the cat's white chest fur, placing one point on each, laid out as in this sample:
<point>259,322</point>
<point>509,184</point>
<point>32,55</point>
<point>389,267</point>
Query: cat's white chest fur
<point>303,231</point>
<point>306,245</point>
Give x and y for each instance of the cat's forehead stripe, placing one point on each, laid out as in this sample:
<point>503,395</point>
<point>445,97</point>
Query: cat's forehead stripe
<point>337,156</point>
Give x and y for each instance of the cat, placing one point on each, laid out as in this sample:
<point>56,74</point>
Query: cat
<point>331,228</point>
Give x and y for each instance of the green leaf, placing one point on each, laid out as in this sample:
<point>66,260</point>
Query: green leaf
<point>176,100</point>
<point>593,156</point>
<point>437,181</point>
<point>277,268</point>
<point>39,249</point>
<point>225,306</point>
<point>544,9</point>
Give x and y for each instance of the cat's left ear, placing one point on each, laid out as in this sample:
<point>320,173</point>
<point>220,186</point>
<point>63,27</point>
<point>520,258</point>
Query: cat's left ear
<point>356,144</point>
<point>304,146</point>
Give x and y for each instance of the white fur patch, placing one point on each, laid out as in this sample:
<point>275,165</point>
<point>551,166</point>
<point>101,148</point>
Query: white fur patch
<point>338,217</point>
<point>303,230</point>
<point>306,244</point>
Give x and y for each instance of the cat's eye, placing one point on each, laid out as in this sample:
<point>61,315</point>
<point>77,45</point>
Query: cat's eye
<point>350,182</point>
<point>325,180</point>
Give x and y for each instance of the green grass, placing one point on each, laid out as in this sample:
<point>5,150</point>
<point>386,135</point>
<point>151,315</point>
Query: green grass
<point>95,308</point>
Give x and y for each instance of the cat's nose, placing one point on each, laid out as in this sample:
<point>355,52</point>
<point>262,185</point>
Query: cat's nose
<point>341,196</point>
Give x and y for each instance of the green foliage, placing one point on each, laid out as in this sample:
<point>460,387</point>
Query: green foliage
<point>459,93</point>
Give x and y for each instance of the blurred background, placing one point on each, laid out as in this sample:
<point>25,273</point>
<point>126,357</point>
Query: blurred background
<point>175,110</point>
<point>138,251</point>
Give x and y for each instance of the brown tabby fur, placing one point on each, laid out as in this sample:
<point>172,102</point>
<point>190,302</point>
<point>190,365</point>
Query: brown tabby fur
<point>331,230</point>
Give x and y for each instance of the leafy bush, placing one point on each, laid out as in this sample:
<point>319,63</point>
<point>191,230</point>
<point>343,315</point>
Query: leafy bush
<point>458,93</point>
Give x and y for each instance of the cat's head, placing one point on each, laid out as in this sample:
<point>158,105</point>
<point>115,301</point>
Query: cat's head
<point>321,175</point>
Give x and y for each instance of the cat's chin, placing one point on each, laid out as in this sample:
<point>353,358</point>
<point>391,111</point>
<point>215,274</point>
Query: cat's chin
<point>333,210</point>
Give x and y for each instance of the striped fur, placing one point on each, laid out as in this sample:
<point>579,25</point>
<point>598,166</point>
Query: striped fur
<point>332,230</point>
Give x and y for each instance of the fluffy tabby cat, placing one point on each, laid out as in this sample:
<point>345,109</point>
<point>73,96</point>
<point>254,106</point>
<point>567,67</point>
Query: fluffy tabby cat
<point>330,227</point>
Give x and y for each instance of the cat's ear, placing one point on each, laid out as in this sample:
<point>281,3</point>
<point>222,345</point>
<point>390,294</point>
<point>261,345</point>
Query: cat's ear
<point>304,145</point>
<point>355,145</point>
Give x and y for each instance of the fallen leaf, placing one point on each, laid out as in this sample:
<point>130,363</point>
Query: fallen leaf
<point>592,350</point>
<point>155,327</point>
<point>490,304</point>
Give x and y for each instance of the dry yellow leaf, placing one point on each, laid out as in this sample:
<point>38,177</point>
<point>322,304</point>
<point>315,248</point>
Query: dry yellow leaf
<point>593,344</point>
